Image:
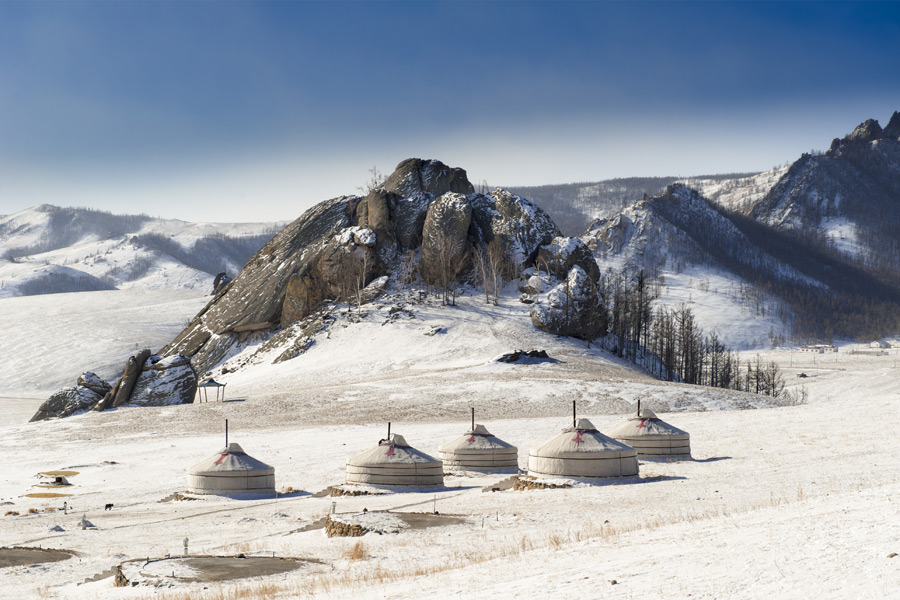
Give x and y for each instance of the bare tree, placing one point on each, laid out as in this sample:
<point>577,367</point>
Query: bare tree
<point>447,259</point>
<point>353,276</point>
<point>376,180</point>
<point>479,257</point>
<point>498,267</point>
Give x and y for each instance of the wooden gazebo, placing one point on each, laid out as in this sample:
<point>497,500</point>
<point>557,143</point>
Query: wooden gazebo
<point>203,390</point>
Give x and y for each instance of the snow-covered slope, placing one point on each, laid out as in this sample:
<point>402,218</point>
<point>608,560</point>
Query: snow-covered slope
<point>848,193</point>
<point>47,249</point>
<point>702,260</point>
<point>738,193</point>
<point>813,477</point>
<point>49,340</point>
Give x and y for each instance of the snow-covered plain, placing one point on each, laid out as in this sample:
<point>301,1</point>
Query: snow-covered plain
<point>779,502</point>
<point>49,340</point>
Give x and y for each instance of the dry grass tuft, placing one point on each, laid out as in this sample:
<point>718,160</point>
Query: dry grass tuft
<point>357,551</point>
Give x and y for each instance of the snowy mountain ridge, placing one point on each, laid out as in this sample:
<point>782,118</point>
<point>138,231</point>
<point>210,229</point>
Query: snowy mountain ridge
<point>47,249</point>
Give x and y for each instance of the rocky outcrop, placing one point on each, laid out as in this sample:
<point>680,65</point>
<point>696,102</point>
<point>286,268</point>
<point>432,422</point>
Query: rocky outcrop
<point>892,130</point>
<point>121,392</point>
<point>219,283</point>
<point>563,253</point>
<point>164,382</point>
<point>445,236</point>
<point>415,177</point>
<point>519,224</point>
<point>572,308</point>
<point>340,246</point>
<point>66,402</point>
<point>93,382</point>
<point>528,357</point>
<point>148,380</point>
<point>867,131</point>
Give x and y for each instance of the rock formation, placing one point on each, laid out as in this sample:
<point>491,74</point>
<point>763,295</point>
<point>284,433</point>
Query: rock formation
<point>573,308</point>
<point>335,249</point>
<point>348,249</point>
<point>148,380</point>
<point>165,381</point>
<point>89,390</point>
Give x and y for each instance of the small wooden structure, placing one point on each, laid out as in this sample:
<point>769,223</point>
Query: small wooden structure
<point>203,393</point>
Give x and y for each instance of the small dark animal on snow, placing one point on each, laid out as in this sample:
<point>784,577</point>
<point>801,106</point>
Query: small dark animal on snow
<point>108,507</point>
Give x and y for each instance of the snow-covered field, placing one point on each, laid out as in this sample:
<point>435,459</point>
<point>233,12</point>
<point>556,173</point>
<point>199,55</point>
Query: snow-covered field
<point>49,340</point>
<point>790,502</point>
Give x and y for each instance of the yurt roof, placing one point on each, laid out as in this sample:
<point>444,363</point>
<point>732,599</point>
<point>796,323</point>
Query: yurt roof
<point>477,439</point>
<point>579,441</point>
<point>233,459</point>
<point>646,413</point>
<point>645,426</point>
<point>394,451</point>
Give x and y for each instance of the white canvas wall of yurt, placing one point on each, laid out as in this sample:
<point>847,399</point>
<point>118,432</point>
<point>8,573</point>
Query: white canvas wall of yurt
<point>394,462</point>
<point>231,471</point>
<point>479,450</point>
<point>582,451</point>
<point>652,437</point>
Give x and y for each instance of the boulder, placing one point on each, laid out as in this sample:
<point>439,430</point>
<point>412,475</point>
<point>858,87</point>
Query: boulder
<point>67,401</point>
<point>93,382</point>
<point>219,283</point>
<point>572,308</point>
<point>415,177</point>
<point>532,286</point>
<point>165,381</point>
<point>563,253</point>
<point>521,225</point>
<point>374,213</point>
<point>121,393</point>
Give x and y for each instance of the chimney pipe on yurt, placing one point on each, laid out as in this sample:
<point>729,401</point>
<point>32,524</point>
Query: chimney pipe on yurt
<point>479,450</point>
<point>226,433</point>
<point>588,454</point>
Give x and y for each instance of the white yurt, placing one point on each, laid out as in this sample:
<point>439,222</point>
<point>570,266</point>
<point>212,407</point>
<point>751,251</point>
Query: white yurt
<point>652,437</point>
<point>582,451</point>
<point>479,449</point>
<point>394,462</point>
<point>231,471</point>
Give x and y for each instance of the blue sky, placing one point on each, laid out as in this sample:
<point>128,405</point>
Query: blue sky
<point>242,111</point>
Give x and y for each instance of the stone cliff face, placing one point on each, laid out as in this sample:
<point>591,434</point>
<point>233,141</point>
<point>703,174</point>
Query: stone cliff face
<point>341,245</point>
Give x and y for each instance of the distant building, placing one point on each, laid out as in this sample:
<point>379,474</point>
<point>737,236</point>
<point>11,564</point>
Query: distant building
<point>879,344</point>
<point>819,348</point>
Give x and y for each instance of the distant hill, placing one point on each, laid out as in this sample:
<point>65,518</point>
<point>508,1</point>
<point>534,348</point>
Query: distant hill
<point>48,249</point>
<point>809,249</point>
<point>574,205</point>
